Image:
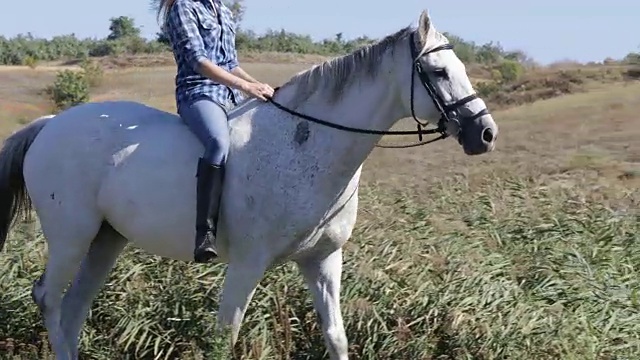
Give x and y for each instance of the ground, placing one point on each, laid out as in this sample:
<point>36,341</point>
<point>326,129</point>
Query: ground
<point>530,252</point>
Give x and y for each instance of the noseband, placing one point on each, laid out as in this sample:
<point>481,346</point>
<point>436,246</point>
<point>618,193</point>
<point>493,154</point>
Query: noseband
<point>448,112</point>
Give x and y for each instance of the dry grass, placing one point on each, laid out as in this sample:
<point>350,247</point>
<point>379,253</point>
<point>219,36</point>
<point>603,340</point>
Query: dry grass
<point>530,252</point>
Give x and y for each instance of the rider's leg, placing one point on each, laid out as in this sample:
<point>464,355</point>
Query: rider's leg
<point>208,121</point>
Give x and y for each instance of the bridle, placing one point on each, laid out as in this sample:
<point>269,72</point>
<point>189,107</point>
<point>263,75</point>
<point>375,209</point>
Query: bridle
<point>448,112</point>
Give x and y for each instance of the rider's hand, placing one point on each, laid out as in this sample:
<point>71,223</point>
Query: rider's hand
<point>257,90</point>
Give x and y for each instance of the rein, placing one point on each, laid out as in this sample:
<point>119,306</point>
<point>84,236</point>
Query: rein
<point>420,131</point>
<point>448,112</point>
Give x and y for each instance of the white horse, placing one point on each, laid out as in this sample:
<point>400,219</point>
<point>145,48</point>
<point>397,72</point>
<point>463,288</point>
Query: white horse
<point>100,175</point>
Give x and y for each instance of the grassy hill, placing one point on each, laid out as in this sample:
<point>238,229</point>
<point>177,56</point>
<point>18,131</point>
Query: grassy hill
<point>530,252</point>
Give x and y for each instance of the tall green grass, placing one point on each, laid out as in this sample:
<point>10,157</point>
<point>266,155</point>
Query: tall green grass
<point>521,270</point>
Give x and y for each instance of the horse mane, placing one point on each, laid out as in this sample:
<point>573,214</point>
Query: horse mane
<point>336,75</point>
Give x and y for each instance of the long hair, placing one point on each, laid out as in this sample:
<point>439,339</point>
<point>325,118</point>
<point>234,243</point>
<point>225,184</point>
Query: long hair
<point>163,11</point>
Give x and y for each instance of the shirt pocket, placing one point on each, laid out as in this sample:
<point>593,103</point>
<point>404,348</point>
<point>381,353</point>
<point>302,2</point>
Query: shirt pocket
<point>229,21</point>
<point>209,29</point>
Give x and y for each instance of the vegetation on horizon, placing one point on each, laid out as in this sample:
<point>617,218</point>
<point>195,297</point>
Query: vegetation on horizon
<point>125,38</point>
<point>502,71</point>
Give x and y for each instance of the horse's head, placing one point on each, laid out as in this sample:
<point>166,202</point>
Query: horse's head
<point>442,92</point>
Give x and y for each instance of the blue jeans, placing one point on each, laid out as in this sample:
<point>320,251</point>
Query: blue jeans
<point>208,121</point>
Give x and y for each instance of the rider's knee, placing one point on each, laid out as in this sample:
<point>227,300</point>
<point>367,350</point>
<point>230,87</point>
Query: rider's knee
<point>217,148</point>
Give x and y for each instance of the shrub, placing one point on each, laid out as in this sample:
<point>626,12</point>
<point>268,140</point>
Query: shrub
<point>496,75</point>
<point>632,58</point>
<point>632,73</point>
<point>69,88</point>
<point>31,61</point>
<point>93,72</point>
<point>487,88</point>
<point>510,70</point>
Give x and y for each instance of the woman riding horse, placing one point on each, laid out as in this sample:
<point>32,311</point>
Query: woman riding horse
<point>202,36</point>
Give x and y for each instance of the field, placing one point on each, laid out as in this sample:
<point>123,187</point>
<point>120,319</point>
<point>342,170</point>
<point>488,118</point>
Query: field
<point>530,252</point>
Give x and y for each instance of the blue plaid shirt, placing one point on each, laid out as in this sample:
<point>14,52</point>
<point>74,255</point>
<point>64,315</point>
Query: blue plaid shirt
<point>199,29</point>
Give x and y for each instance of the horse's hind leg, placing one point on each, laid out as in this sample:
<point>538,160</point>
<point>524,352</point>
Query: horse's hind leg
<point>95,269</point>
<point>69,232</point>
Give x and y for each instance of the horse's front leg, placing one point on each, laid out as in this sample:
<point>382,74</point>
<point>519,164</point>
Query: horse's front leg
<point>322,275</point>
<point>239,285</point>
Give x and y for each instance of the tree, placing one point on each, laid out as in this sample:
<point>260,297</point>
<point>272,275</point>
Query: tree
<point>237,8</point>
<point>632,58</point>
<point>123,27</point>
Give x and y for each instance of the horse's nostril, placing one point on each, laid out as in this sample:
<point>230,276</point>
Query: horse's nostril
<point>487,135</point>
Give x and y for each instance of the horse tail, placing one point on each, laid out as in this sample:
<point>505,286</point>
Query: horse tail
<point>14,198</point>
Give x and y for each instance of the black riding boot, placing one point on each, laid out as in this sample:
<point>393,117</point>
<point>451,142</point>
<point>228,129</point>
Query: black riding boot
<point>209,189</point>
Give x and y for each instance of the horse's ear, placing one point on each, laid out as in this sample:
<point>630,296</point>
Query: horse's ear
<point>424,26</point>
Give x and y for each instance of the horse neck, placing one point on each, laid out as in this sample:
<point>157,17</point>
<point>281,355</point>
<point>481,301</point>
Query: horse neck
<point>368,103</point>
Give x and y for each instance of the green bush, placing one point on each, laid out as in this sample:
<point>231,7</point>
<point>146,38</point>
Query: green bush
<point>510,70</point>
<point>93,72</point>
<point>496,75</point>
<point>70,88</point>
<point>487,88</point>
<point>31,61</point>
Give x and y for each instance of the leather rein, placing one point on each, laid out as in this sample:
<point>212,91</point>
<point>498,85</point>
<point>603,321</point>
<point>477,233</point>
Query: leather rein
<point>448,112</point>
